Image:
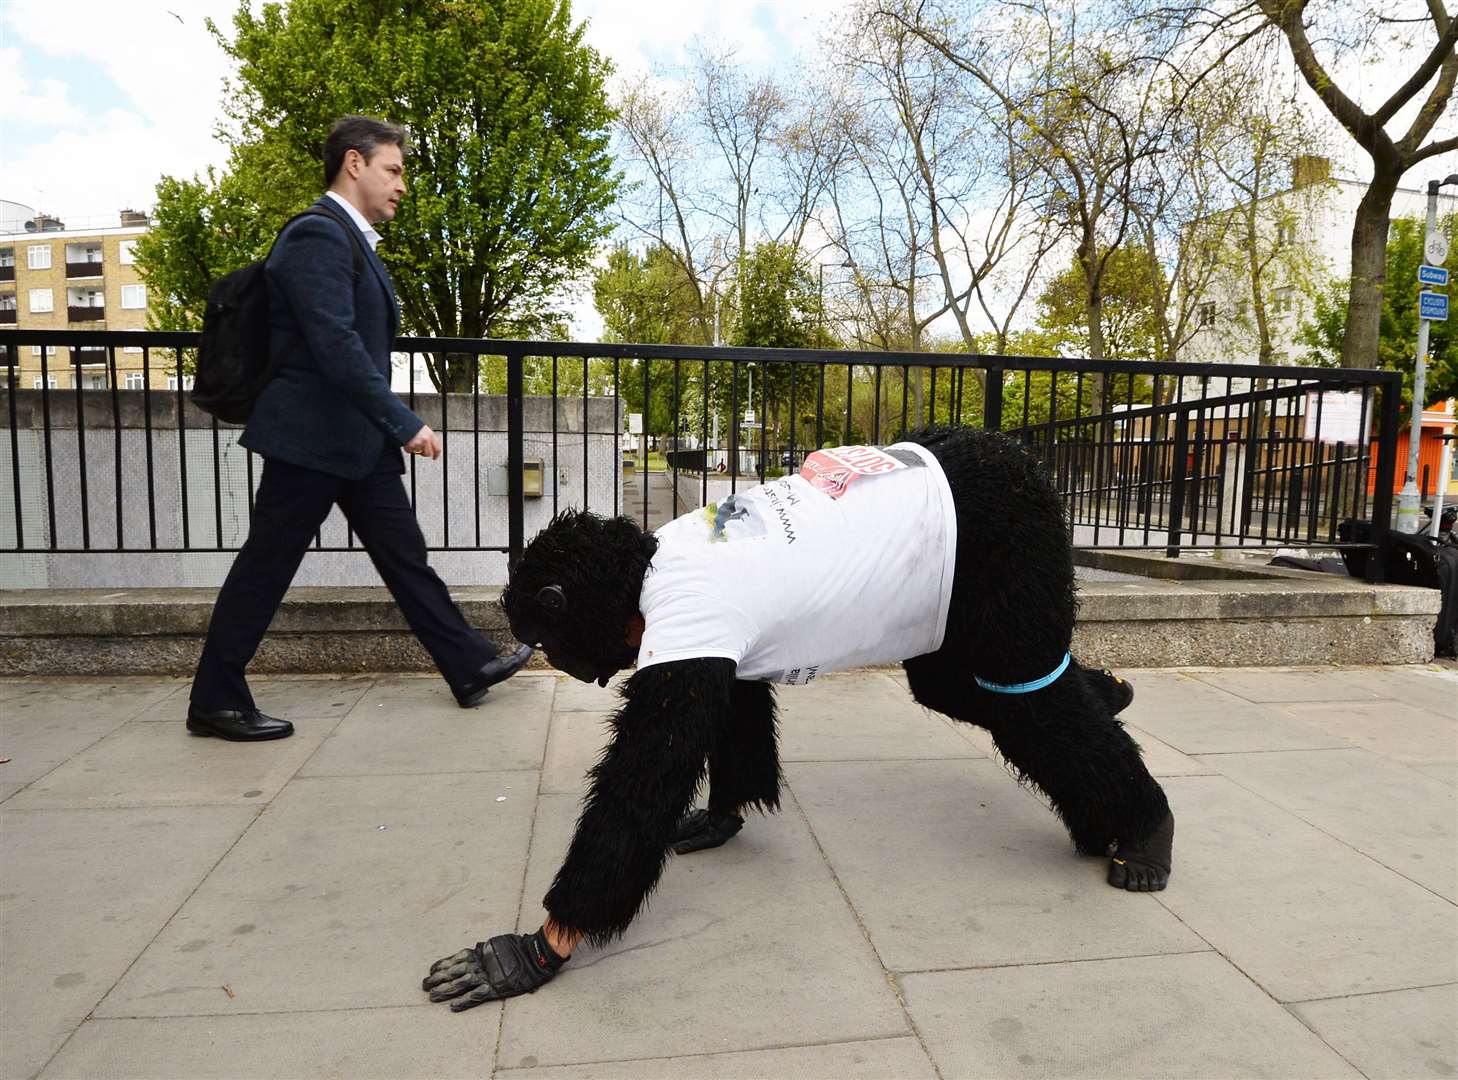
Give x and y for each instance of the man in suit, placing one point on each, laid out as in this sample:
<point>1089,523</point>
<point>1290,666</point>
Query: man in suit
<point>330,429</point>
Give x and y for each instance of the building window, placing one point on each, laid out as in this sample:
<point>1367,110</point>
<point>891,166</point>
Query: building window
<point>7,256</point>
<point>38,257</point>
<point>1283,300</point>
<point>128,252</point>
<point>50,381</point>
<point>186,382</point>
<point>1207,315</point>
<point>1285,234</point>
<point>41,301</point>
<point>134,296</point>
<point>135,380</point>
<point>95,381</point>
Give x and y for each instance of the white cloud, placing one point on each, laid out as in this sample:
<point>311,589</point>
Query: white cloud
<point>119,94</point>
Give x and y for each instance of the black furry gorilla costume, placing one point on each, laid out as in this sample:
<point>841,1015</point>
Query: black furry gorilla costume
<point>576,593</point>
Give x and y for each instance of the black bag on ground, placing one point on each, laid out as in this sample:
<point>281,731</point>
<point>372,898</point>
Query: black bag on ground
<point>233,364</point>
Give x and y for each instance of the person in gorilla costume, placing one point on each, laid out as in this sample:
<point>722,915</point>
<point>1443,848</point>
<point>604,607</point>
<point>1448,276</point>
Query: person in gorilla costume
<point>948,552</point>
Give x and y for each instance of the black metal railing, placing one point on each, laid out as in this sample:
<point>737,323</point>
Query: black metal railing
<point>84,268</point>
<point>1145,455</point>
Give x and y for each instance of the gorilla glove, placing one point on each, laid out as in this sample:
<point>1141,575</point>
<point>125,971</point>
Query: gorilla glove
<point>505,966</point>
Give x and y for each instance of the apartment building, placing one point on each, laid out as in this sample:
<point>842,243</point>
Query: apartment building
<point>57,278</point>
<point>1306,232</point>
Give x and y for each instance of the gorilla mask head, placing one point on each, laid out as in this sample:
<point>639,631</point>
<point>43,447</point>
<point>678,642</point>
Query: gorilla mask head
<point>575,592</point>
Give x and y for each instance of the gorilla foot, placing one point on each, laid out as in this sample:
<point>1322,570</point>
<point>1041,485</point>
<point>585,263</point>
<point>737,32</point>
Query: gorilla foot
<point>1145,866</point>
<point>701,829</point>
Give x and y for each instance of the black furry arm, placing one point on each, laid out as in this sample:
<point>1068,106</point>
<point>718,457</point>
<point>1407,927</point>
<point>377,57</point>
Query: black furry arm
<point>644,782</point>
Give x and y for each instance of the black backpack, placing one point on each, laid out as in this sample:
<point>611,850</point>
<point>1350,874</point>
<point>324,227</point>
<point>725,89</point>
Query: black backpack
<point>233,364</point>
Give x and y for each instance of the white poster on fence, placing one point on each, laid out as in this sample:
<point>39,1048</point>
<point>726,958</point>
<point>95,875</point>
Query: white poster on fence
<point>1340,414</point>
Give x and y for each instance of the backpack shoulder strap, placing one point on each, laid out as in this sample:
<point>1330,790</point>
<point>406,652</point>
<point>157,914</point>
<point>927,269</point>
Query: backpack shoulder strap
<point>356,242</point>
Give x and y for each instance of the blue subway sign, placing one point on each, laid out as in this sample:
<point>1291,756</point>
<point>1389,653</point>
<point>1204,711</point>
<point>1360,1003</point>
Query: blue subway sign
<point>1432,275</point>
<point>1433,305</point>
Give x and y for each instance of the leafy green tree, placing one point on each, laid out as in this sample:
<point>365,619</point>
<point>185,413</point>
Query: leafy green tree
<point>509,171</point>
<point>778,307</point>
<point>1324,334</point>
<point>1130,330</point>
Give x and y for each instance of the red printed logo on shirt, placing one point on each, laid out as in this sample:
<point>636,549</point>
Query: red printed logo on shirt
<point>833,471</point>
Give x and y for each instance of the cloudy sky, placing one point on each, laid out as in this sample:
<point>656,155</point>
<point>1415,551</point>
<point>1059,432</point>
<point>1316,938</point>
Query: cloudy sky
<point>104,96</point>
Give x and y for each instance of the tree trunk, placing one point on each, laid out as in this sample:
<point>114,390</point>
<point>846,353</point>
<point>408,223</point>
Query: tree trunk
<point>1369,268</point>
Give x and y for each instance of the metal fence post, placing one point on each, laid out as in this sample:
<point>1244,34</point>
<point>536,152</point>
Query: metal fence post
<point>516,498</point>
<point>1382,488</point>
<point>1177,496</point>
<point>992,401</point>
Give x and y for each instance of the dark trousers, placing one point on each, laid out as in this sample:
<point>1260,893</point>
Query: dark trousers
<point>292,503</point>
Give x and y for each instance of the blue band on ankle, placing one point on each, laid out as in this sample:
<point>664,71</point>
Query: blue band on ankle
<point>1026,687</point>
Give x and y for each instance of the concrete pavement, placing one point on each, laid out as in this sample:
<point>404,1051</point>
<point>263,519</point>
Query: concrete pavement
<point>182,907</point>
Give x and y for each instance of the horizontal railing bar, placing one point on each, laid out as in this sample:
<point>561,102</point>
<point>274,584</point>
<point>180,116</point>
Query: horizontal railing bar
<point>820,357</point>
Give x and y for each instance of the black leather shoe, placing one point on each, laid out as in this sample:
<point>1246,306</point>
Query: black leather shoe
<point>491,673</point>
<point>238,725</point>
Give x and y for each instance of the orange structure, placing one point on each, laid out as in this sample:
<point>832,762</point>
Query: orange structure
<point>1437,421</point>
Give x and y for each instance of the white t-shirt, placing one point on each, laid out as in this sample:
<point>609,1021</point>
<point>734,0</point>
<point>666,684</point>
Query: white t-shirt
<point>801,576</point>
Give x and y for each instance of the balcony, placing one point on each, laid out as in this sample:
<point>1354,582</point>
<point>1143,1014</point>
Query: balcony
<point>7,272</point>
<point>88,313</point>
<point>8,316</point>
<point>83,268</point>
<point>86,355</point>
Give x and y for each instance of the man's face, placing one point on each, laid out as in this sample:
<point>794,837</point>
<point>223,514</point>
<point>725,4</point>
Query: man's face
<point>380,181</point>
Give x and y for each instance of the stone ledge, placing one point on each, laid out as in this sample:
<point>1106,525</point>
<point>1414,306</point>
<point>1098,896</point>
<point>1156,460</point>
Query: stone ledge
<point>1310,619</point>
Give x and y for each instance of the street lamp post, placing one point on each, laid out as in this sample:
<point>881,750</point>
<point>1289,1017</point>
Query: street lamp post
<point>1435,250</point>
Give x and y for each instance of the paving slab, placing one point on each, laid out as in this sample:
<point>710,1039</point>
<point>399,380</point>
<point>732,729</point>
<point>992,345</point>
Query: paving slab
<point>1447,772</point>
<point>902,1058</point>
<point>1162,759</point>
<point>404,726</point>
<point>1157,1016</point>
<point>293,697</point>
<point>1394,729</point>
<point>45,723</point>
<point>344,891</point>
<point>1194,717</point>
<point>1267,684</point>
<point>350,1045</point>
<point>144,764</point>
<point>859,716</point>
<point>576,696</point>
<point>84,891</point>
<point>719,924</point>
<point>1397,1036</point>
<point>573,746</point>
<point>1404,820</point>
<point>952,864</point>
<point>1433,687</point>
<point>1297,910</point>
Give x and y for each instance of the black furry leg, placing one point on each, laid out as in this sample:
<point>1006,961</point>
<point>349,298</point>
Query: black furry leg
<point>744,760</point>
<point>744,771</point>
<point>1063,741</point>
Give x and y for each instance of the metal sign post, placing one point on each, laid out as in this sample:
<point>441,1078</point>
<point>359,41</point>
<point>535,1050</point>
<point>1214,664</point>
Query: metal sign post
<point>1431,306</point>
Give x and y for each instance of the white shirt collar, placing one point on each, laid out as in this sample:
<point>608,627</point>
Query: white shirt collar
<point>371,237</point>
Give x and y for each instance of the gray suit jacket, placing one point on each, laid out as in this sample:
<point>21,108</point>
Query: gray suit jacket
<point>330,407</point>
